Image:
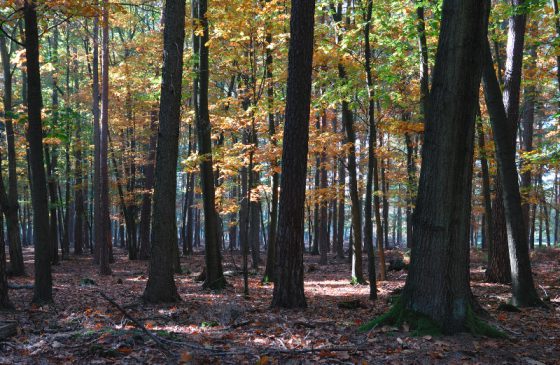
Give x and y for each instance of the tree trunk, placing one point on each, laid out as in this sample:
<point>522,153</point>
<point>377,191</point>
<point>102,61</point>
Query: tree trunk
<point>273,214</point>
<point>348,122</point>
<point>17,267</point>
<point>527,126</point>
<point>214,273</point>
<point>97,226</point>
<point>104,240</point>
<point>341,206</point>
<point>288,287</point>
<point>4,298</point>
<point>488,223</point>
<point>146,210</point>
<point>323,204</point>
<point>438,281</point>
<point>315,245</point>
<point>161,285</point>
<point>523,288</point>
<point>43,280</point>
<point>372,182</point>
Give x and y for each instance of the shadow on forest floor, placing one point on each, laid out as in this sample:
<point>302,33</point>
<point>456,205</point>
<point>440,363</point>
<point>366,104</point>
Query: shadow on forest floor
<point>207,327</point>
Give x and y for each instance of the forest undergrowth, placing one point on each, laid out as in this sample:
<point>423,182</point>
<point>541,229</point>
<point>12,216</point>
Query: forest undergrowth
<point>225,327</point>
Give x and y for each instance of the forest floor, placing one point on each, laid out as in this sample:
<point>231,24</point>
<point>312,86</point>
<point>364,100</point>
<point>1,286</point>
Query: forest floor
<point>208,327</point>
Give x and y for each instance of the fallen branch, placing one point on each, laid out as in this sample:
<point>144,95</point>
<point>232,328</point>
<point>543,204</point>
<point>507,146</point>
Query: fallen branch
<point>139,325</point>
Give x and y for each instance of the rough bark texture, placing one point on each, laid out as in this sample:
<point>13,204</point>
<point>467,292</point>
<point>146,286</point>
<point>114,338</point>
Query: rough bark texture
<point>11,209</point>
<point>214,272</point>
<point>43,278</point>
<point>288,287</point>
<point>438,282</point>
<point>372,181</point>
<point>523,287</point>
<point>104,240</point>
<point>161,285</point>
<point>498,270</point>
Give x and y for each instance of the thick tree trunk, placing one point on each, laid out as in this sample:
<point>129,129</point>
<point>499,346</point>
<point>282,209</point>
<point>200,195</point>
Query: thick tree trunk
<point>288,287</point>
<point>43,280</point>
<point>523,288</point>
<point>161,285</point>
<point>438,280</point>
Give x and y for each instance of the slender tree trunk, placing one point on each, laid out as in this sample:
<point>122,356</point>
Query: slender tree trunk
<point>273,214</point>
<point>214,273</point>
<point>104,239</point>
<point>43,280</point>
<point>146,210</point>
<point>5,302</point>
<point>341,205</point>
<point>488,225</point>
<point>527,125</point>
<point>288,287</point>
<point>315,245</point>
<point>372,182</point>
<point>17,267</point>
<point>96,187</point>
<point>523,288</point>
<point>78,193</point>
<point>323,204</point>
<point>348,122</point>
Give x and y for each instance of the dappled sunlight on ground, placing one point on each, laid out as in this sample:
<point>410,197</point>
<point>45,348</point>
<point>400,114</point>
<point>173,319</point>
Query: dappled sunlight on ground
<point>226,327</point>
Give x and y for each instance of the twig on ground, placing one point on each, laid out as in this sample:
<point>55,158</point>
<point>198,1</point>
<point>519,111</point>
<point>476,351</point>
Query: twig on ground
<point>139,325</point>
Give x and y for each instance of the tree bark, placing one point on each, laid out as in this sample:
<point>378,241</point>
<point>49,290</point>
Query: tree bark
<point>372,182</point>
<point>288,287</point>
<point>161,285</point>
<point>488,224</point>
<point>96,188</point>
<point>523,288</point>
<point>17,267</point>
<point>5,302</point>
<point>273,214</point>
<point>214,272</point>
<point>323,204</point>
<point>438,281</point>
<point>104,240</point>
<point>42,292</point>
<point>146,210</point>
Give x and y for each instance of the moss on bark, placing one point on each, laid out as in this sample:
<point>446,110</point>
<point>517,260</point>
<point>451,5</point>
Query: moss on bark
<point>422,325</point>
